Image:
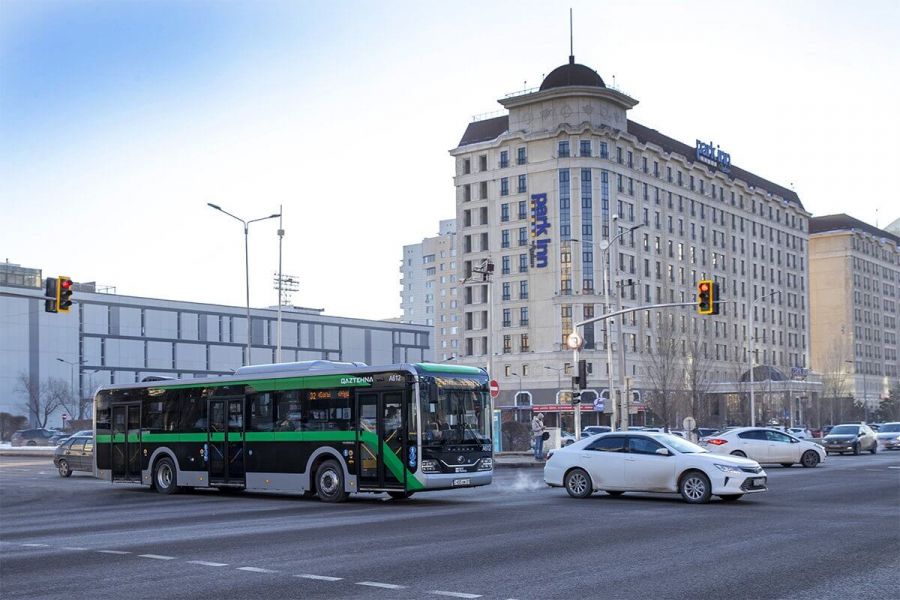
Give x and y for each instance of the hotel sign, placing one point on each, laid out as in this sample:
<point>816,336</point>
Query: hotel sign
<point>540,231</point>
<point>712,156</point>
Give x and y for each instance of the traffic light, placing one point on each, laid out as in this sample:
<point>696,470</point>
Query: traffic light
<point>50,295</point>
<point>64,294</point>
<point>707,297</point>
<point>582,374</point>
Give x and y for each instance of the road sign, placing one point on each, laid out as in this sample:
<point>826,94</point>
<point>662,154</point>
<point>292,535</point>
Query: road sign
<point>574,341</point>
<point>495,388</point>
<point>65,416</point>
<point>689,423</point>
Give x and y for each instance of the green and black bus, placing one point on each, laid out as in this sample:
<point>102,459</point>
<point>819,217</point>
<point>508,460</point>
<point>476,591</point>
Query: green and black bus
<point>315,427</point>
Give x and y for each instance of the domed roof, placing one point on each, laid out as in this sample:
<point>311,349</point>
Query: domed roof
<point>572,74</point>
<point>764,373</point>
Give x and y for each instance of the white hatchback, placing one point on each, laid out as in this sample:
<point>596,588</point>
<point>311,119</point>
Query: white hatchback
<point>634,461</point>
<point>766,446</point>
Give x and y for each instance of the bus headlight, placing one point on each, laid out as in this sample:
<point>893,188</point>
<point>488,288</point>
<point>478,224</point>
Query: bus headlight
<point>486,464</point>
<point>430,466</point>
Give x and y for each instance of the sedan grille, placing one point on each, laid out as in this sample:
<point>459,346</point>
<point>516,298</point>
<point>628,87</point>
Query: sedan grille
<point>751,469</point>
<point>749,485</point>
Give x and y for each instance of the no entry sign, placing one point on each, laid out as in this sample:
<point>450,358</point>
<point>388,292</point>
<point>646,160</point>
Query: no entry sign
<point>495,388</point>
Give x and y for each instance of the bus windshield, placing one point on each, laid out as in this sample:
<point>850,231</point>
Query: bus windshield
<point>460,414</point>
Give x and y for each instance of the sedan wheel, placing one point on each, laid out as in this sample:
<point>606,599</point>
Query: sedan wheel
<point>856,449</point>
<point>578,483</point>
<point>810,459</point>
<point>874,449</point>
<point>739,453</point>
<point>695,488</point>
<point>64,470</point>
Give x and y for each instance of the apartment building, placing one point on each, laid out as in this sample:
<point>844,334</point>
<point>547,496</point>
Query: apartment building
<point>539,190</point>
<point>429,291</point>
<point>854,274</point>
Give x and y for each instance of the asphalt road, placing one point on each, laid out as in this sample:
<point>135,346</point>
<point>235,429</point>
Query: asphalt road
<point>828,532</point>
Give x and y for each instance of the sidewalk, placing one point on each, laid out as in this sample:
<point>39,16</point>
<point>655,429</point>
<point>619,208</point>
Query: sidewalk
<point>517,460</point>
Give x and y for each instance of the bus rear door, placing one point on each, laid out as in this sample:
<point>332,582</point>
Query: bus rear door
<point>126,442</point>
<point>226,441</point>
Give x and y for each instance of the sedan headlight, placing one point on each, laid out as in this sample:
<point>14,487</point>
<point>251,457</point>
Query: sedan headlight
<point>430,466</point>
<point>729,469</point>
<point>486,464</point>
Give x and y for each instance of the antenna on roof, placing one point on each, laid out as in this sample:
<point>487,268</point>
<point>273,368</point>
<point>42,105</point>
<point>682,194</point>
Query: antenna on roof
<point>571,40</point>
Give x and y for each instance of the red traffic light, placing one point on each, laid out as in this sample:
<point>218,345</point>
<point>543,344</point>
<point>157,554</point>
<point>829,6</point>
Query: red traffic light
<point>66,283</point>
<point>704,287</point>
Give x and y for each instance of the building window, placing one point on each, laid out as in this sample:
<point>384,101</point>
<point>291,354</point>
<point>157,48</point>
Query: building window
<point>506,265</point>
<point>523,316</point>
<point>506,290</point>
<point>507,317</point>
<point>504,159</point>
<point>523,343</point>
<point>585,148</point>
<point>563,149</point>
<point>504,238</point>
<point>604,150</point>
<point>482,162</point>
<point>522,185</point>
<point>520,156</point>
<point>504,213</point>
<point>523,263</point>
<point>467,166</point>
<point>507,344</point>
<point>523,236</point>
<point>565,225</point>
<point>504,186</point>
<point>523,289</point>
<point>523,214</point>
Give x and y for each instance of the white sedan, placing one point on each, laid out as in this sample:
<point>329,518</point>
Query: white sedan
<point>650,462</point>
<point>766,446</point>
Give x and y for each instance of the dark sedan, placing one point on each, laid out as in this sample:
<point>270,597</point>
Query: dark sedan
<point>75,454</point>
<point>851,438</point>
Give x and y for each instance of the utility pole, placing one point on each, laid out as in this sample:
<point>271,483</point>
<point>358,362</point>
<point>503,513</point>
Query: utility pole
<point>280,278</point>
<point>486,270</point>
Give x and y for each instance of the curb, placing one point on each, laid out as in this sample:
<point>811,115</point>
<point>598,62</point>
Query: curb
<point>23,452</point>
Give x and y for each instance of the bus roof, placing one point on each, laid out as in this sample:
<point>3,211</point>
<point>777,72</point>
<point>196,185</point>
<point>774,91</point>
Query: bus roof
<point>321,373</point>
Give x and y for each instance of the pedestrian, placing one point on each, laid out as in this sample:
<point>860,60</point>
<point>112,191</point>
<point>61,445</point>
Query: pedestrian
<point>537,431</point>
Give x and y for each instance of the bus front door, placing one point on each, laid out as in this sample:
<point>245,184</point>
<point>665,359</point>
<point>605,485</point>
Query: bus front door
<point>226,442</point>
<point>126,442</point>
<point>382,440</point>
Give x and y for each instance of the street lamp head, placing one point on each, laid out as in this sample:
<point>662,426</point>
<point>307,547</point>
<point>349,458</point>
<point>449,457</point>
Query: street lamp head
<point>215,206</point>
<point>638,226</point>
<point>60,360</point>
<point>615,217</point>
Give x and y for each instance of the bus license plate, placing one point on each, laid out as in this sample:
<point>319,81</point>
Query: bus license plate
<point>462,481</point>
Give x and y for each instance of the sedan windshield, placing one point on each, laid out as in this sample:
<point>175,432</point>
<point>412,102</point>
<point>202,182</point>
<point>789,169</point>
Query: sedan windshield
<point>892,428</point>
<point>845,430</point>
<point>681,444</point>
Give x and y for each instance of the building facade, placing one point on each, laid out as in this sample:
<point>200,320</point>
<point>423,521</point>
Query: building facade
<point>110,338</point>
<point>854,274</point>
<point>541,190</point>
<point>429,291</point>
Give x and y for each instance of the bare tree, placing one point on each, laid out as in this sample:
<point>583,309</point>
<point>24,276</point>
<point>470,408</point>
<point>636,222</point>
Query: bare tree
<point>699,377</point>
<point>41,399</point>
<point>833,362</point>
<point>738,406</point>
<point>665,372</point>
<point>889,408</point>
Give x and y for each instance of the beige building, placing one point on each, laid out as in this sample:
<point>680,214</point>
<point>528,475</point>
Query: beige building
<point>429,293</point>
<point>539,189</point>
<point>854,274</point>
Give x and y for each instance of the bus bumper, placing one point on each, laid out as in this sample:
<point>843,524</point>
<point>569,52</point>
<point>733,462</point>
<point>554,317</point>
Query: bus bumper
<point>444,481</point>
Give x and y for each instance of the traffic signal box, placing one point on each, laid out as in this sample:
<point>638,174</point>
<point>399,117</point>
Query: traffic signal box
<point>63,294</point>
<point>50,295</point>
<point>707,297</point>
<point>579,381</point>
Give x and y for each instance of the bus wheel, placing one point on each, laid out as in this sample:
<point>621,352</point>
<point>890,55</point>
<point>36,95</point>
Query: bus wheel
<point>400,495</point>
<point>164,477</point>
<point>330,482</point>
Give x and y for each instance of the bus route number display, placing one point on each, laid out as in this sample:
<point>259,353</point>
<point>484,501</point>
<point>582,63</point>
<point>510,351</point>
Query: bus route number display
<point>328,394</point>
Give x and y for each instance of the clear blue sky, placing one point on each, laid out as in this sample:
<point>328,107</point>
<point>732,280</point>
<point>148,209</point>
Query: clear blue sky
<point>120,120</point>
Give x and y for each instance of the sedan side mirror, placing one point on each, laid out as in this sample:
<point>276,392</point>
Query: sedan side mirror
<point>662,451</point>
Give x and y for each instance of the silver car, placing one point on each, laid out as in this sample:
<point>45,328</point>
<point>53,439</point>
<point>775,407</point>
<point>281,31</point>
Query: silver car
<point>851,438</point>
<point>889,436</point>
<point>75,454</point>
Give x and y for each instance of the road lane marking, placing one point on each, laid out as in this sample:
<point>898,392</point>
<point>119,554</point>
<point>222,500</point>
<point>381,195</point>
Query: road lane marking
<point>157,556</point>
<point>256,570</point>
<point>320,577</point>
<point>387,586</point>
<point>74,548</point>
<point>206,563</point>
<point>113,552</point>
<point>37,545</point>
<point>455,594</point>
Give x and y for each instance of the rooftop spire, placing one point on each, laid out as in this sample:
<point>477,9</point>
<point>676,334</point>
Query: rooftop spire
<point>571,40</point>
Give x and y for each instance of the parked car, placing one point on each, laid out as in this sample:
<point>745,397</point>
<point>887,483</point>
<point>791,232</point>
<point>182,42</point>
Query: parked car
<point>566,438</point>
<point>826,429</point>
<point>681,434</point>
<point>889,436</point>
<point>75,454</point>
<point>851,438</point>
<point>59,438</point>
<point>766,446</point>
<point>594,430</point>
<point>622,462</point>
<point>33,437</point>
<point>706,431</point>
<point>876,427</point>
<point>801,433</point>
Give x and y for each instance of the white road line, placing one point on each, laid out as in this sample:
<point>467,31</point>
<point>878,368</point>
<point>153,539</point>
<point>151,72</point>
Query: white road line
<point>206,563</point>
<point>113,552</point>
<point>74,548</point>
<point>157,556</point>
<point>320,577</point>
<point>893,467</point>
<point>455,594</point>
<point>37,545</point>
<point>387,586</point>
<point>256,570</point>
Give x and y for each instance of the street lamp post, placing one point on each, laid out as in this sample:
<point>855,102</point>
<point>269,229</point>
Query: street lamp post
<point>246,225</point>
<point>606,266</point>
<point>520,386</point>
<point>72,377</point>
<point>750,320</point>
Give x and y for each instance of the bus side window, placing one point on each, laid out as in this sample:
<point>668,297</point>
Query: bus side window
<point>288,416</point>
<point>193,411</point>
<point>261,413</point>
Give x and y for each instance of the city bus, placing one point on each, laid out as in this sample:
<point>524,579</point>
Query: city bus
<point>314,428</point>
